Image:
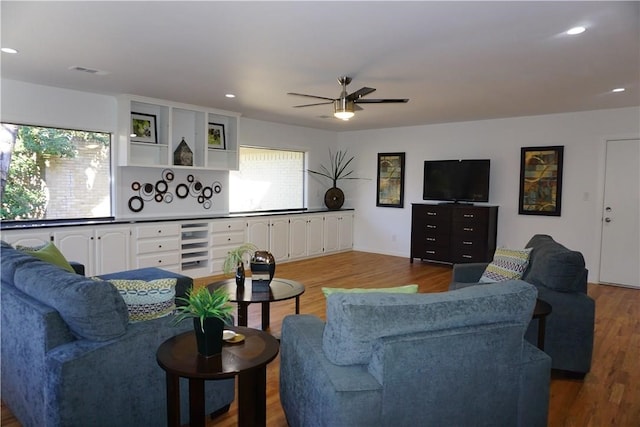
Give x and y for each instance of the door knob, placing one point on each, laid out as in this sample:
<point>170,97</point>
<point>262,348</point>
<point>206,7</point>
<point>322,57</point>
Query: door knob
<point>607,220</point>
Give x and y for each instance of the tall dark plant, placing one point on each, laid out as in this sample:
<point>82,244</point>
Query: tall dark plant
<point>337,168</point>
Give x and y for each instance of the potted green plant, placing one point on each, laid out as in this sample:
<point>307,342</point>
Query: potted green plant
<point>209,310</point>
<point>334,197</point>
<point>234,262</point>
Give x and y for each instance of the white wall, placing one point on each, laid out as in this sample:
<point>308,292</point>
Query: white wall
<point>388,230</point>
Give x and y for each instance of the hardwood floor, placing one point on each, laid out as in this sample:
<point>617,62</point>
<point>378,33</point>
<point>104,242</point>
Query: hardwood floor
<point>608,396</point>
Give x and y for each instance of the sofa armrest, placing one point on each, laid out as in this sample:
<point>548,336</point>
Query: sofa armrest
<point>77,267</point>
<point>310,383</point>
<point>468,273</point>
<point>81,374</point>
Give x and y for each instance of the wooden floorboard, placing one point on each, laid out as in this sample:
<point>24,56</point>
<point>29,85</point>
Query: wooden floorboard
<point>608,396</point>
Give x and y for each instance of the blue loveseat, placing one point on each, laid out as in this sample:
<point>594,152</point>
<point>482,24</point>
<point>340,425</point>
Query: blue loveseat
<point>441,359</point>
<point>70,357</point>
<point>560,276</point>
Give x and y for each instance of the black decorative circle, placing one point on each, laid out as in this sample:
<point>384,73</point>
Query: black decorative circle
<point>162,187</point>
<point>136,204</point>
<point>147,191</point>
<point>207,192</point>
<point>135,185</point>
<point>217,187</point>
<point>193,189</point>
<point>190,178</point>
<point>182,191</point>
<point>167,175</point>
<point>201,199</point>
<point>159,197</point>
<point>168,197</point>
<point>206,204</point>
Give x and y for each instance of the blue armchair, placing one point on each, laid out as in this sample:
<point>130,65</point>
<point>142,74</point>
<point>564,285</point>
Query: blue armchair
<point>456,358</point>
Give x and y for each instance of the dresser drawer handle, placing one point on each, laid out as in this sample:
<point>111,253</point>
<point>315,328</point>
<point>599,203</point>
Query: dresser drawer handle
<point>467,256</point>
<point>432,213</point>
<point>469,215</point>
<point>431,252</point>
<point>467,243</point>
<point>431,226</point>
<point>468,228</point>
<point>431,239</point>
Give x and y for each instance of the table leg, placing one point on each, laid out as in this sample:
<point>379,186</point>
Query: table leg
<point>243,317</point>
<point>298,305</point>
<point>266,315</point>
<point>252,398</point>
<point>173,400</point>
<point>542,323</point>
<point>197,416</point>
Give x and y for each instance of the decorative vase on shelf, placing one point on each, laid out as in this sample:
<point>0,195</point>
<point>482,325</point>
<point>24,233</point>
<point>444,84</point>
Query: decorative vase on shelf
<point>209,341</point>
<point>334,198</point>
<point>240,275</point>
<point>263,268</point>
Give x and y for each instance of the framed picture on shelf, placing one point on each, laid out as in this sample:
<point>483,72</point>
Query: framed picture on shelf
<point>541,180</point>
<point>390,188</point>
<point>215,136</point>
<point>143,128</point>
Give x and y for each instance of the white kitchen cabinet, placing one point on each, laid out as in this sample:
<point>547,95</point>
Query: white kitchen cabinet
<point>305,236</point>
<point>29,238</point>
<point>102,249</point>
<point>226,234</point>
<point>157,245</point>
<point>338,231</point>
<point>270,234</point>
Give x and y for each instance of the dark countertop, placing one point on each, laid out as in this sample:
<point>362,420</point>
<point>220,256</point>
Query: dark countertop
<point>17,225</point>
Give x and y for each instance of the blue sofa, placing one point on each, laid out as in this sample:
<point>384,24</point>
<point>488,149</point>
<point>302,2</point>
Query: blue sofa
<point>560,276</point>
<point>441,359</point>
<point>70,357</point>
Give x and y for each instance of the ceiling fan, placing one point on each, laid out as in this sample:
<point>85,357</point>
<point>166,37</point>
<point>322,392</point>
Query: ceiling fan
<point>346,104</point>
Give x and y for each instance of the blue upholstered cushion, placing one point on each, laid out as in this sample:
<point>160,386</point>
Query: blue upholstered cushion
<point>405,289</point>
<point>554,266</point>
<point>92,310</point>
<point>356,321</point>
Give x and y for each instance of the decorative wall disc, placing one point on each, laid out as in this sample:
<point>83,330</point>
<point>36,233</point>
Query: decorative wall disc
<point>167,175</point>
<point>201,199</point>
<point>136,204</point>
<point>217,187</point>
<point>207,192</point>
<point>168,197</point>
<point>190,178</point>
<point>159,197</point>
<point>162,187</point>
<point>135,186</point>
<point>207,204</point>
<point>182,191</point>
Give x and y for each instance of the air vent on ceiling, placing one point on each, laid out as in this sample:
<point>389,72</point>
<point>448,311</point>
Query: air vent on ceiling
<point>88,70</point>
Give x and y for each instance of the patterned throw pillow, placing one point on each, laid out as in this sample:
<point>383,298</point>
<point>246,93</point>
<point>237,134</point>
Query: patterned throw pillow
<point>147,300</point>
<point>507,264</point>
<point>406,289</point>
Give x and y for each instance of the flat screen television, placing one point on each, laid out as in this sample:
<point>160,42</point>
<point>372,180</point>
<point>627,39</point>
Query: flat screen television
<point>464,181</point>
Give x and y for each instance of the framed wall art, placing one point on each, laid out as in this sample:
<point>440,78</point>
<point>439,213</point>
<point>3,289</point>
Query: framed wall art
<point>390,188</point>
<point>143,128</point>
<point>541,180</point>
<point>215,135</point>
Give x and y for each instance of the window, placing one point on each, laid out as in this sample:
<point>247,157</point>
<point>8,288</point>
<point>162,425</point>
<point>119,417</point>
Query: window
<point>267,180</point>
<point>50,173</point>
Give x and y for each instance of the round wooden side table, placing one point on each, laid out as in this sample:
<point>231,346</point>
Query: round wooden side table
<point>178,356</point>
<point>540,312</point>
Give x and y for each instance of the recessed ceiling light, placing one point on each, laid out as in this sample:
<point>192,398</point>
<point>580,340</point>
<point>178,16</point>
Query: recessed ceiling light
<point>618,89</point>
<point>230,95</point>
<point>8,50</point>
<point>576,30</point>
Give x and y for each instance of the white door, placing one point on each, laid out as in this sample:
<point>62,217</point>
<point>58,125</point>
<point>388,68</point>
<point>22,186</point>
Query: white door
<point>620,250</point>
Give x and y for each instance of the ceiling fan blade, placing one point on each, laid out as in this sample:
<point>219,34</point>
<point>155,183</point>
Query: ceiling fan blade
<point>311,96</point>
<point>379,101</point>
<point>311,105</point>
<point>360,93</point>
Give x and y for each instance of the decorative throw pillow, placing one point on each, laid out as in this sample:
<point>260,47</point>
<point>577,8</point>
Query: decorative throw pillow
<point>405,289</point>
<point>49,253</point>
<point>507,264</point>
<point>146,300</point>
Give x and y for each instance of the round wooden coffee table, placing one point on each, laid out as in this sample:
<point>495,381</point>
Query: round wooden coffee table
<point>279,290</point>
<point>178,356</point>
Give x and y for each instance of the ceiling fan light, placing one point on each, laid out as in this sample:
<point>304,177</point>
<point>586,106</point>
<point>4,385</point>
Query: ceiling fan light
<point>343,109</point>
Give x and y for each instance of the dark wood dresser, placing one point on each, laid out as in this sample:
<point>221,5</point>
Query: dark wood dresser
<point>453,233</point>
